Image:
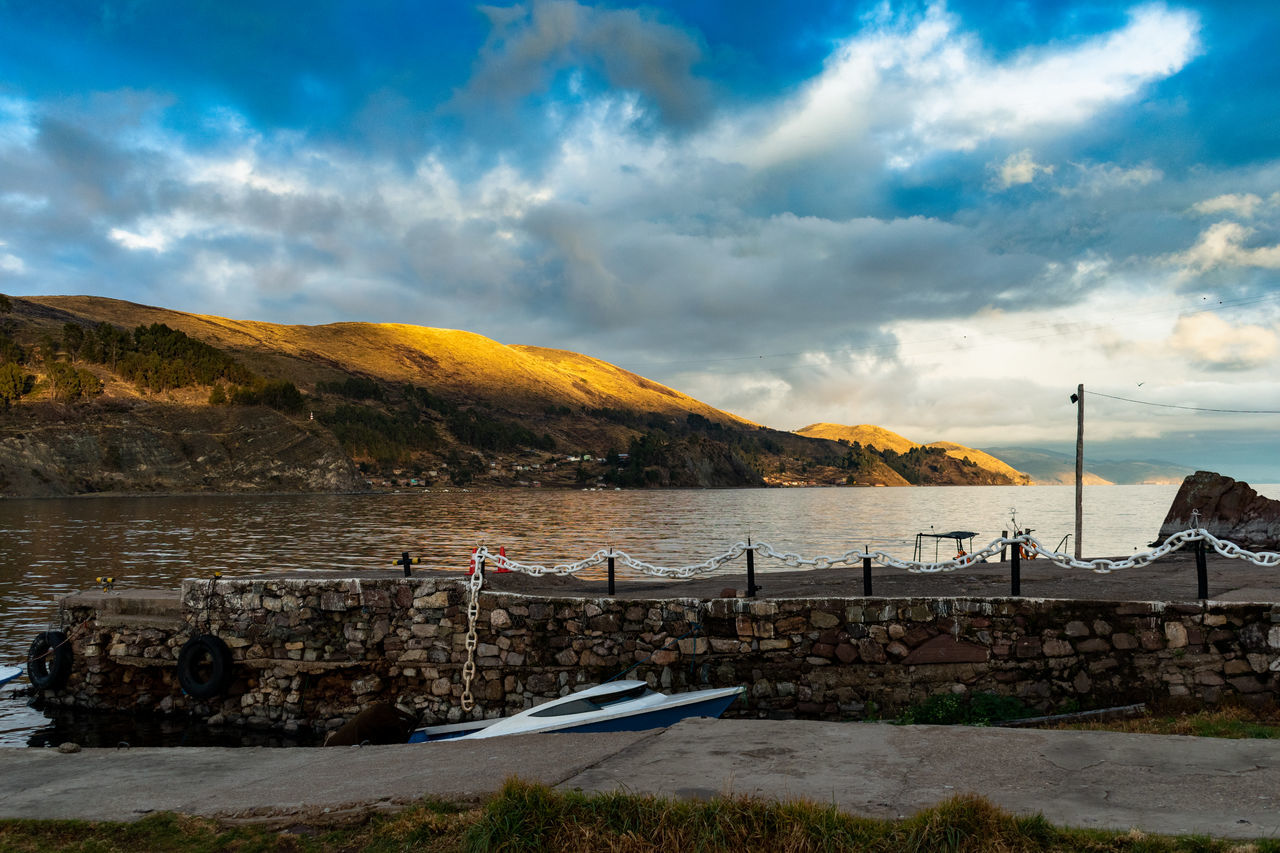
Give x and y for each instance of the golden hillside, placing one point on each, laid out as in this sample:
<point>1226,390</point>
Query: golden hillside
<point>865,434</point>
<point>985,460</point>
<point>517,378</point>
<point>869,435</point>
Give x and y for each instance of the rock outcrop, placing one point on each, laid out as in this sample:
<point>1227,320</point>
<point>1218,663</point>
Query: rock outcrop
<point>1229,509</point>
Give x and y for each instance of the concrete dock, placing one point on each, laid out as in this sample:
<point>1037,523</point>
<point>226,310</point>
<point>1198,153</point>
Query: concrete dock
<point>1100,780</point>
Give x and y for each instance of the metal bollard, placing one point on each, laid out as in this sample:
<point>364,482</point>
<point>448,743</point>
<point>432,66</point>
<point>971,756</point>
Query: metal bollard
<point>1015,571</point>
<point>751,571</point>
<point>406,562</point>
<point>611,590</point>
<point>866,576</point>
<point>1004,534</point>
<point>1202,571</point>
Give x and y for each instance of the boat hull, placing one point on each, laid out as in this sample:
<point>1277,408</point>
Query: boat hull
<point>649,711</point>
<point>658,718</point>
<point>9,673</point>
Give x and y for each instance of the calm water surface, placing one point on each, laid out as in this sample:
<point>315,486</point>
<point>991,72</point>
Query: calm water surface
<point>49,548</point>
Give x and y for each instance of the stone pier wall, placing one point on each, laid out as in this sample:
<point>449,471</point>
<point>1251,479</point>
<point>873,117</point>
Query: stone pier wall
<point>313,652</point>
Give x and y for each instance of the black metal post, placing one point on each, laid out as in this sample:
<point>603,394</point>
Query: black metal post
<point>866,576</point>
<point>1202,570</point>
<point>1004,555</point>
<point>406,562</point>
<point>1015,571</point>
<point>611,592</point>
<point>751,571</point>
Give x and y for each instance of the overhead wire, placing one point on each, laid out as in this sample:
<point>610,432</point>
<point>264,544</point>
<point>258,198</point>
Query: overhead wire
<point>1185,408</point>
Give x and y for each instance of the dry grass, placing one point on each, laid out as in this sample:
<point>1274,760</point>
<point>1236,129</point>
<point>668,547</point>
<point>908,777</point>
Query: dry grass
<point>446,360</point>
<point>1226,722</point>
<point>883,439</point>
<point>527,817</point>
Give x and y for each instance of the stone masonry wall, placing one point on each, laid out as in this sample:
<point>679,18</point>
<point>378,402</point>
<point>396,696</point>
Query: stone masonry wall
<point>311,652</point>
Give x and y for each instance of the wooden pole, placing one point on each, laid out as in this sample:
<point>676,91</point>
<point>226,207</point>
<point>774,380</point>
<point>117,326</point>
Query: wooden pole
<point>1079,468</point>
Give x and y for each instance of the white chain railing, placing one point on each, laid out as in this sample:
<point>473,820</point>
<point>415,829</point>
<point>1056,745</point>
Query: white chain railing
<point>1029,546</point>
<point>1026,545</point>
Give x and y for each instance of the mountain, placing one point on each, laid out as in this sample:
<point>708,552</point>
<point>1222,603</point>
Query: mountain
<point>1049,468</point>
<point>883,439</point>
<point>103,395</point>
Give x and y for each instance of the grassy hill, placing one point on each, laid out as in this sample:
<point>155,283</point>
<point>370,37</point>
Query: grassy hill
<point>406,404</point>
<point>884,440</point>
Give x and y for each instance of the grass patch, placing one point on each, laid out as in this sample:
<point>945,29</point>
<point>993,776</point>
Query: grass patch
<point>964,709</point>
<point>1234,721</point>
<point>531,817</point>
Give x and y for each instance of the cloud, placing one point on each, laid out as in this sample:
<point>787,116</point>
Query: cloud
<point>1222,245</point>
<point>1095,179</point>
<point>10,263</point>
<point>627,49</point>
<point>1211,343</point>
<point>1241,204</point>
<point>1019,168</point>
<point>920,85</point>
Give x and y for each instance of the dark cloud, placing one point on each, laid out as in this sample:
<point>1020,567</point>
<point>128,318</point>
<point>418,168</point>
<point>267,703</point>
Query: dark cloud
<point>622,48</point>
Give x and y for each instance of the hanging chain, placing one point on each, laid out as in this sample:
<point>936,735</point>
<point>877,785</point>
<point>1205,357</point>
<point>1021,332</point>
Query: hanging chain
<point>473,613</point>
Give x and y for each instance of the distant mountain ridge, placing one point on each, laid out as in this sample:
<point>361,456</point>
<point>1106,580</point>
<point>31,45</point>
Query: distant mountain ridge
<point>1049,468</point>
<point>384,404</point>
<point>883,439</point>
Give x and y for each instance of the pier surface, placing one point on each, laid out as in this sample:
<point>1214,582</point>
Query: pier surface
<point>1104,780</point>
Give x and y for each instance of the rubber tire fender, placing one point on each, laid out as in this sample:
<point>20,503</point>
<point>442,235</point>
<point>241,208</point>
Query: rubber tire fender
<point>204,667</point>
<point>49,661</point>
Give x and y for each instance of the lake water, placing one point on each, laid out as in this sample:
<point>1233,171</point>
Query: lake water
<point>49,548</point>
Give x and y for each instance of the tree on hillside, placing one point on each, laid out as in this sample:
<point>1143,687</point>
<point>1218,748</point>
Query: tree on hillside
<point>72,384</point>
<point>5,304</point>
<point>10,351</point>
<point>13,384</point>
<point>72,339</point>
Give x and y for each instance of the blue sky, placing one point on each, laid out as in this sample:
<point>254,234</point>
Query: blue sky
<point>938,218</point>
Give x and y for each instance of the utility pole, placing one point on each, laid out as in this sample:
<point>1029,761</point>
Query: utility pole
<point>1078,399</point>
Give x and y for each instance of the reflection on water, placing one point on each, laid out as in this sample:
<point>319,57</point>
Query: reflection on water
<point>49,548</point>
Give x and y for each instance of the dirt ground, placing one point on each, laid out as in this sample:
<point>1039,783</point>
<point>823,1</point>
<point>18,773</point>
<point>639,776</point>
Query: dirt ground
<point>1170,579</point>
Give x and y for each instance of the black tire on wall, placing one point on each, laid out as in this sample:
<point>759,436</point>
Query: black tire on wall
<point>49,661</point>
<point>204,667</point>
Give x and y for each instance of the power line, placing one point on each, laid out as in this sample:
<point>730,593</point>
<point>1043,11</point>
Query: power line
<point>1187,408</point>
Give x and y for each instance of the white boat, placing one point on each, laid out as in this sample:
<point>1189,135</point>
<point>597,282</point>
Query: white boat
<point>615,706</point>
<point>9,673</point>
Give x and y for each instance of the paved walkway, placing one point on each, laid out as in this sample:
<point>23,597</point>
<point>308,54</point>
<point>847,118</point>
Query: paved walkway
<point>1165,784</point>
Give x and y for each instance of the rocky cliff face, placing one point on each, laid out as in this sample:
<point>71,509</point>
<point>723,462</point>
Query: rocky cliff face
<point>1229,509</point>
<point>51,450</point>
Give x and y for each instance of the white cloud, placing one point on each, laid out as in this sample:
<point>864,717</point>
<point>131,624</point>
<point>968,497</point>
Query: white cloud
<point>17,123</point>
<point>1222,245</point>
<point>10,263</point>
<point>1241,204</point>
<point>1094,179</point>
<point>922,86</point>
<point>1214,344</point>
<point>1020,168</point>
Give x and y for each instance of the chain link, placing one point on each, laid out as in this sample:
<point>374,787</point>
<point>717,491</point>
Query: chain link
<point>473,614</point>
<point>1030,546</point>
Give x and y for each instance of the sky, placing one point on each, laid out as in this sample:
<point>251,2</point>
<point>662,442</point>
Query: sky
<point>939,218</point>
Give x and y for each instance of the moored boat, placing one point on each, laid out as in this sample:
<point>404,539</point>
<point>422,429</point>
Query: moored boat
<point>9,673</point>
<point>615,706</point>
